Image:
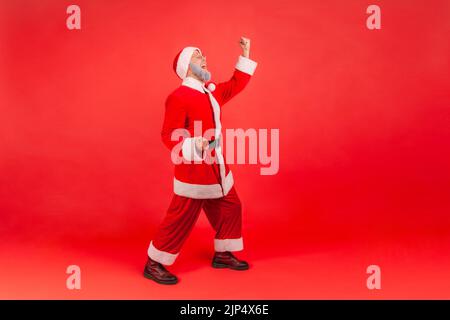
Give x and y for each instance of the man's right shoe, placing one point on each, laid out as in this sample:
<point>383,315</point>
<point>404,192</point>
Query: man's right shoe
<point>156,272</point>
<point>228,260</point>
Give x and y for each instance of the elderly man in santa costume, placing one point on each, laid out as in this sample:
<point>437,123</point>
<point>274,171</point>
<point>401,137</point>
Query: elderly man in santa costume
<point>199,184</point>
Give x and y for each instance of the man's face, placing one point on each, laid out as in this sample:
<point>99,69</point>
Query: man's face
<point>199,59</point>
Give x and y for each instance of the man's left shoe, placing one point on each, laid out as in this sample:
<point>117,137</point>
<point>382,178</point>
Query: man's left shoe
<point>228,260</point>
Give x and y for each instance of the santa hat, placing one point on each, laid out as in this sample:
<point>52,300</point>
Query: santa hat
<point>182,60</point>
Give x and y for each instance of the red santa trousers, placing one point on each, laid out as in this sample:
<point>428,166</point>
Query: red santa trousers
<point>224,214</point>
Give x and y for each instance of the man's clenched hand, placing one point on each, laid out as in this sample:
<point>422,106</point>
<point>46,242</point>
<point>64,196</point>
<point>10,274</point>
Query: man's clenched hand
<point>245,46</point>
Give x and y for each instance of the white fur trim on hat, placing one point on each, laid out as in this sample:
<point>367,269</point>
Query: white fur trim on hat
<point>183,61</point>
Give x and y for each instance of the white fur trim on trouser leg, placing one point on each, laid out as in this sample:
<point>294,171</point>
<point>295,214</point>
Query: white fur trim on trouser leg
<point>162,257</point>
<point>246,65</point>
<point>222,245</point>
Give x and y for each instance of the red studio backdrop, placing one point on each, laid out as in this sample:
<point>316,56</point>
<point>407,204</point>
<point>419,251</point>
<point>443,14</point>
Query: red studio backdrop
<point>364,151</point>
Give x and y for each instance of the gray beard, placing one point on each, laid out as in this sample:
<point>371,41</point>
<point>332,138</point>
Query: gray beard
<point>199,72</point>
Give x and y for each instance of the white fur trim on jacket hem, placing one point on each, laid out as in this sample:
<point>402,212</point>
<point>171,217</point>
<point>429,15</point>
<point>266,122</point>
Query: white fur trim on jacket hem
<point>222,245</point>
<point>190,152</point>
<point>246,65</point>
<point>203,191</point>
<point>162,257</point>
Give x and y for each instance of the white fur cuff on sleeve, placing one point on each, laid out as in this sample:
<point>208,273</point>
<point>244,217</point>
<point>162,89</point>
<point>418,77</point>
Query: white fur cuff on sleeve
<point>246,65</point>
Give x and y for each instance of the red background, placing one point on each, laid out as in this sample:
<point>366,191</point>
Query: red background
<point>364,147</point>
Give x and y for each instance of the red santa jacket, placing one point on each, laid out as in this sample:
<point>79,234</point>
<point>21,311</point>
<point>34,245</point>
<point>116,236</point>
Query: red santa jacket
<point>189,107</point>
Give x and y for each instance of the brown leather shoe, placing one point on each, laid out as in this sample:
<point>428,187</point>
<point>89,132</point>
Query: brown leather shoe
<point>227,260</point>
<point>156,271</point>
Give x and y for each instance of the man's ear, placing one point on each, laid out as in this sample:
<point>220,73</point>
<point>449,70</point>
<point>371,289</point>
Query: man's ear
<point>189,70</point>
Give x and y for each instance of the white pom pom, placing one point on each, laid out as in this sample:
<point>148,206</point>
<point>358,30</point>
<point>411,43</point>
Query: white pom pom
<point>211,87</point>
